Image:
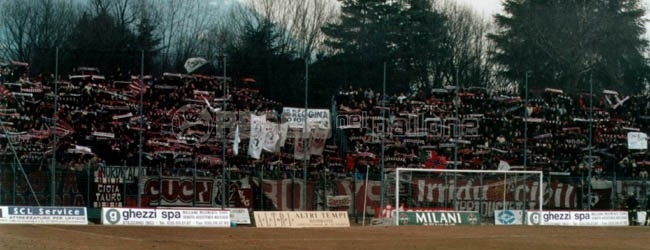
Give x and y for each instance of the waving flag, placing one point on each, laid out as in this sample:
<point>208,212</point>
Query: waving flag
<point>5,93</point>
<point>137,86</point>
<point>235,147</point>
<point>63,128</point>
<point>194,63</point>
<point>257,135</point>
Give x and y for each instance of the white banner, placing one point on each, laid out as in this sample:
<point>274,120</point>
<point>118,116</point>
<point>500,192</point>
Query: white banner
<point>637,140</point>
<point>284,130</point>
<point>238,216</point>
<point>508,217</point>
<point>256,142</point>
<point>166,217</point>
<point>318,138</point>
<point>43,215</point>
<point>315,117</point>
<point>236,141</point>
<point>300,150</point>
<point>577,218</point>
<point>272,131</point>
<point>314,219</point>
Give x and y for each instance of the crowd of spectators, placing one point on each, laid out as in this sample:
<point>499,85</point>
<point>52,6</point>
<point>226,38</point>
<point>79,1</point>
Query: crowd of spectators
<point>98,122</point>
<point>477,129</point>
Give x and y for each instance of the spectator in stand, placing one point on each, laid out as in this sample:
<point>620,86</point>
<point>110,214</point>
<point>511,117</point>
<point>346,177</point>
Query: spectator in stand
<point>632,206</point>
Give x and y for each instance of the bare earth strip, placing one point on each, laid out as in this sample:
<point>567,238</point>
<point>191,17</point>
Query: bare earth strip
<point>406,237</point>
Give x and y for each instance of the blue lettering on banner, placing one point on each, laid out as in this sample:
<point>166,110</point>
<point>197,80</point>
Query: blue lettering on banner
<point>46,211</point>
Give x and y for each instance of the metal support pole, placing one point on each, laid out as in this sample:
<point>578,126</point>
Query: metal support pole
<point>224,185</point>
<point>140,184</point>
<point>455,135</point>
<point>304,137</point>
<point>525,138</point>
<point>13,182</point>
<point>591,121</point>
<point>55,117</point>
<point>194,186</point>
<point>124,186</point>
<point>88,182</point>
<point>383,137</point>
<point>261,186</point>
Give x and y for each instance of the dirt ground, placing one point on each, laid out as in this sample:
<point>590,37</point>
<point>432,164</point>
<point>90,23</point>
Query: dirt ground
<point>404,237</point>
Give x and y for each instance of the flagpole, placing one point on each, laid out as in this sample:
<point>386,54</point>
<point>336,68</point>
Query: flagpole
<point>56,99</point>
<point>142,89</point>
<point>304,138</point>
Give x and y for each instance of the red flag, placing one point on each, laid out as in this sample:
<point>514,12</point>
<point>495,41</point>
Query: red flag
<point>136,86</point>
<point>63,128</point>
<point>4,92</point>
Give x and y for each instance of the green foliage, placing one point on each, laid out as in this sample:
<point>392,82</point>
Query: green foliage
<point>567,42</point>
<point>147,41</point>
<point>409,36</point>
<point>100,41</point>
<point>259,54</point>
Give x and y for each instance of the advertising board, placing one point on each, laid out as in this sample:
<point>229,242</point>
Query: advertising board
<point>302,219</point>
<point>165,217</point>
<point>508,217</point>
<point>577,218</point>
<point>450,218</point>
<point>43,215</point>
<point>238,216</point>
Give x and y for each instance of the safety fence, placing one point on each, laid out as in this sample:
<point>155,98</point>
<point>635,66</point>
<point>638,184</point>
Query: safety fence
<point>129,186</point>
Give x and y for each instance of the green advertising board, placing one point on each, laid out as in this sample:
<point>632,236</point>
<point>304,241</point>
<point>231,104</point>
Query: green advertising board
<point>449,218</point>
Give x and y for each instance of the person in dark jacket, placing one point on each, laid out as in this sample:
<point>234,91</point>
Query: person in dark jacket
<point>632,206</point>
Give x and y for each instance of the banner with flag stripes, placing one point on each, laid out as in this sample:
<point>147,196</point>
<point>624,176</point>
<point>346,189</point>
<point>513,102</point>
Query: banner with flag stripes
<point>5,93</point>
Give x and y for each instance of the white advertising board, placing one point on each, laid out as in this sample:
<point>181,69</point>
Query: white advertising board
<point>508,217</point>
<point>165,217</point>
<point>577,218</point>
<point>238,216</point>
<point>43,215</point>
<point>296,219</point>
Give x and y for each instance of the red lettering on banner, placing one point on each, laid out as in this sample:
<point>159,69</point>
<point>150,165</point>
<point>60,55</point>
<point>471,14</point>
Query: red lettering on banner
<point>286,194</point>
<point>469,195</point>
<point>67,191</point>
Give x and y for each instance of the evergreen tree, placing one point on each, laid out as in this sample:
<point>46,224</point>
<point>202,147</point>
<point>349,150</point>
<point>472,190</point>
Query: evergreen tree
<point>566,43</point>
<point>148,42</point>
<point>409,36</point>
<point>100,42</point>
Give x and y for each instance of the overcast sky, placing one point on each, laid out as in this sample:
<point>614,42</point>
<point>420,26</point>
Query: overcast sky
<point>489,7</point>
<point>486,7</point>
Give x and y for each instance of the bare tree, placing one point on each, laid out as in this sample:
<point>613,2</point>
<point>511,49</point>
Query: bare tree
<point>33,29</point>
<point>187,28</point>
<point>124,11</point>
<point>301,20</point>
<point>469,45</point>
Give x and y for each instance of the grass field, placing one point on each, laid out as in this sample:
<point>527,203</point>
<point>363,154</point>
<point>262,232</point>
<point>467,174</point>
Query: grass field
<point>405,237</point>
